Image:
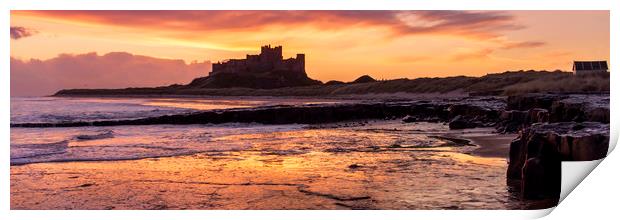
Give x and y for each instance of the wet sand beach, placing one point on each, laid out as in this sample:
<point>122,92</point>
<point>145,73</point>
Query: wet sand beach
<point>489,142</point>
<point>315,168</point>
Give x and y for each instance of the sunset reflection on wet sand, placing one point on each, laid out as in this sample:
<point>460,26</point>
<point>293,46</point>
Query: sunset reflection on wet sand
<point>327,168</point>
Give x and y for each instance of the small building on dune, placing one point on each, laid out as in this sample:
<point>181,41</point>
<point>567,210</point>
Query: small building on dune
<point>590,67</point>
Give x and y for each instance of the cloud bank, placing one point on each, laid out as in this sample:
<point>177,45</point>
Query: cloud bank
<point>112,70</point>
<point>18,32</point>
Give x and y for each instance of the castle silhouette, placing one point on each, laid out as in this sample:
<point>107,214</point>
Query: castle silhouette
<point>267,70</point>
<point>270,59</point>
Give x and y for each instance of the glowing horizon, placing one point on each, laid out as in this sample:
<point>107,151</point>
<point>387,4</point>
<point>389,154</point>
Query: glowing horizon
<point>339,45</point>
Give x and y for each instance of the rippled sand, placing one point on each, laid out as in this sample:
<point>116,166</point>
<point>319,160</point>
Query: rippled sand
<point>361,166</point>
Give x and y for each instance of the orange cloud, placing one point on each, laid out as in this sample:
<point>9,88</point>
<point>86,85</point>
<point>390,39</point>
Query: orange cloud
<point>525,44</point>
<point>475,24</point>
<point>112,70</point>
<point>480,24</point>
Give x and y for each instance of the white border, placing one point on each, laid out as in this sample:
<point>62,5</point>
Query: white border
<point>604,175</point>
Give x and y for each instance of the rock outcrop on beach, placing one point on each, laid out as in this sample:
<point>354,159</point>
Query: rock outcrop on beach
<point>472,113</point>
<point>469,112</point>
<point>553,128</point>
<point>524,110</point>
<point>536,155</point>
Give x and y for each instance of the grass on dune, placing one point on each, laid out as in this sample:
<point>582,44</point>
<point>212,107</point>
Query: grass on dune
<point>507,83</point>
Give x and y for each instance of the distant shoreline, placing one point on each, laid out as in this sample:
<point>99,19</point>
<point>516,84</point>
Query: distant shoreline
<point>373,96</point>
<point>501,84</point>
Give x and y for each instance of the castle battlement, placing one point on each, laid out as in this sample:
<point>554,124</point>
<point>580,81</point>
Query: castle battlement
<point>269,59</point>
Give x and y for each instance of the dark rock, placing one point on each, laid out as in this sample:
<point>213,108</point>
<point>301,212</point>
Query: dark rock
<point>515,120</point>
<point>460,122</point>
<point>475,112</point>
<point>487,110</point>
<point>512,120</point>
<point>537,115</point>
<point>309,114</point>
<point>535,156</point>
<point>541,178</point>
<point>563,107</point>
<point>354,166</point>
<point>516,157</point>
<point>452,207</point>
<point>513,115</point>
<point>555,128</point>
<point>86,185</point>
<point>580,108</point>
<point>542,108</point>
<point>530,101</point>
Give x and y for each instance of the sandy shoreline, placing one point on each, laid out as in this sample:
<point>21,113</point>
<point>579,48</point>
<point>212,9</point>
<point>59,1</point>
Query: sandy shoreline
<point>490,143</point>
<point>493,146</point>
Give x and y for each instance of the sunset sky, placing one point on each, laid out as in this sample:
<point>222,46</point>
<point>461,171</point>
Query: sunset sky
<point>339,45</point>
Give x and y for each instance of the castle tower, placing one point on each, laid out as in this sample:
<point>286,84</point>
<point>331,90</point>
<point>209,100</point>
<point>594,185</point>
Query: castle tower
<point>269,54</point>
<point>301,62</point>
